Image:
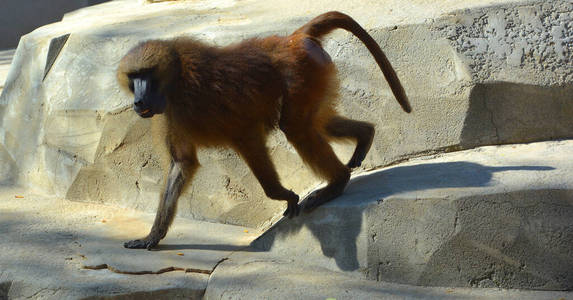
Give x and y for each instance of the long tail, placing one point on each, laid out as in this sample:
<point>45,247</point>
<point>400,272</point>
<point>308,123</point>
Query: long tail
<point>329,21</point>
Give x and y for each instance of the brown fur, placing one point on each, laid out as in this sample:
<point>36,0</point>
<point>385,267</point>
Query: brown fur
<point>235,95</point>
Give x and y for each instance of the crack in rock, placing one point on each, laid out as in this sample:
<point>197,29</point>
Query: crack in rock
<point>492,118</point>
<point>160,271</point>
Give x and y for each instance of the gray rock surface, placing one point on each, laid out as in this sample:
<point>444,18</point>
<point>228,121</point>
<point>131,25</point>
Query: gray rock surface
<point>263,276</point>
<point>7,165</point>
<point>47,243</point>
<point>477,73</point>
<point>496,216</point>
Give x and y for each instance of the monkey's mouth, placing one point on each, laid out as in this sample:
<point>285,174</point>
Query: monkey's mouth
<point>146,113</point>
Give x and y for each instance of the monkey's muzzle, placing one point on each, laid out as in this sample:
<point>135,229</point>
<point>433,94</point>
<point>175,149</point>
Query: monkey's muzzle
<point>145,113</point>
<point>147,101</point>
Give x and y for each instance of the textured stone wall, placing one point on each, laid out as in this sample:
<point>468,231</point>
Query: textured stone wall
<point>482,76</point>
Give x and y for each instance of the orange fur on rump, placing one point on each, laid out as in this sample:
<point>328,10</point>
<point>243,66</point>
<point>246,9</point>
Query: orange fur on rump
<point>234,96</point>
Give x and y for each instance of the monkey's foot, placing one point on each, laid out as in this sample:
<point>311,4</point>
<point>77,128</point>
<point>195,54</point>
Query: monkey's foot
<point>355,161</point>
<point>293,209</point>
<point>322,196</point>
<point>146,243</point>
<point>358,156</point>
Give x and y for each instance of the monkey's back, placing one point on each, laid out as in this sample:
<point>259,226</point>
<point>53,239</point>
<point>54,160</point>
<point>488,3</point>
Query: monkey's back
<point>225,92</point>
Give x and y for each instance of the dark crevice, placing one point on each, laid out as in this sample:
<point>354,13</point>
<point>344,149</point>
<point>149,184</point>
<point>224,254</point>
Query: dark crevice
<point>160,271</point>
<point>56,46</point>
<point>5,289</point>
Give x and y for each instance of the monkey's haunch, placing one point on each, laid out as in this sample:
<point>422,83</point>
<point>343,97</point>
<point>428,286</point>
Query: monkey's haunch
<point>327,22</point>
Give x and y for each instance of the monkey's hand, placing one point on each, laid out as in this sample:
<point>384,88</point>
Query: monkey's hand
<point>145,243</point>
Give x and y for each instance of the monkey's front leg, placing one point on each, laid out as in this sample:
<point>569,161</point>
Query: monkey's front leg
<point>167,205</point>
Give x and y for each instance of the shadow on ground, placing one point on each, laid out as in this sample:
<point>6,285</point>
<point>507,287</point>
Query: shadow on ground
<point>338,224</point>
<point>39,260</point>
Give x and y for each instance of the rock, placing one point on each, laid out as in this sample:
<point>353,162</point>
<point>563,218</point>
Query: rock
<point>496,216</point>
<point>261,276</point>
<point>47,242</point>
<point>7,168</point>
<point>479,76</point>
<point>55,249</point>
<point>5,61</point>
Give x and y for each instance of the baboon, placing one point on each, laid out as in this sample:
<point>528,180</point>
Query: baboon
<point>235,95</point>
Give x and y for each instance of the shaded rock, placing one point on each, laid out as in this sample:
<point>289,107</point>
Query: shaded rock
<point>493,216</point>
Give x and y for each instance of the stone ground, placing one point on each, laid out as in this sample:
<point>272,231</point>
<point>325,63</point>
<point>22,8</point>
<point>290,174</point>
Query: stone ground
<point>48,242</point>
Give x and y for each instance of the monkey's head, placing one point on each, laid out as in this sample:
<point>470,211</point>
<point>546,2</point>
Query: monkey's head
<point>148,71</point>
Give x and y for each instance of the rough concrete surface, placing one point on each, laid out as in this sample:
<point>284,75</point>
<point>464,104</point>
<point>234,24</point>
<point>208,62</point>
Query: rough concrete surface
<point>495,216</point>
<point>477,73</point>
<point>46,243</point>
<point>263,276</point>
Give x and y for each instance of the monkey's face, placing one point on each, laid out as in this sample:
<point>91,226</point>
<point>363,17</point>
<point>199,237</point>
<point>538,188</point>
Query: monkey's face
<point>148,71</point>
<point>148,99</point>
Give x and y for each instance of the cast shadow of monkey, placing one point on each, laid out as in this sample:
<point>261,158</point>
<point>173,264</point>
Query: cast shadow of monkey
<point>345,214</point>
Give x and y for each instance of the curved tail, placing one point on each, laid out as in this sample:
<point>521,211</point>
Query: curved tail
<point>329,21</point>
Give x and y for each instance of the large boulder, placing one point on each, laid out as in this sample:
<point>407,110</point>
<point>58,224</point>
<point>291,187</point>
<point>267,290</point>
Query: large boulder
<point>495,216</point>
<point>480,76</point>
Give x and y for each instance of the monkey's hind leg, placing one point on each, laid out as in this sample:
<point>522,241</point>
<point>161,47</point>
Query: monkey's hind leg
<point>314,149</point>
<point>361,132</point>
<point>168,204</point>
